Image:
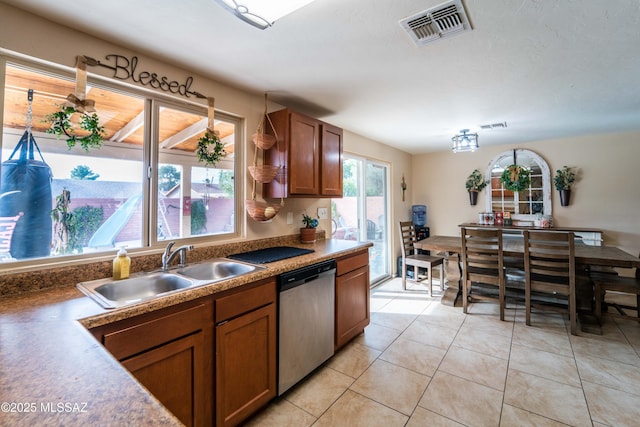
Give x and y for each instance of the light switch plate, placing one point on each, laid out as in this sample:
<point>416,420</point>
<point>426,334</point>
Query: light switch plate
<point>289,217</point>
<point>323,213</point>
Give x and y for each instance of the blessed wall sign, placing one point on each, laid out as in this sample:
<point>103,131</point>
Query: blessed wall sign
<point>125,68</point>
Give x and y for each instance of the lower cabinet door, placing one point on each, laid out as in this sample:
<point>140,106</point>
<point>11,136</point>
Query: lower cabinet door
<point>352,304</point>
<point>174,373</point>
<point>245,365</point>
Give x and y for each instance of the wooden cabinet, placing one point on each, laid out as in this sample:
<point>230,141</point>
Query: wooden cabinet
<point>352,297</point>
<point>245,352</point>
<point>311,153</point>
<point>170,353</point>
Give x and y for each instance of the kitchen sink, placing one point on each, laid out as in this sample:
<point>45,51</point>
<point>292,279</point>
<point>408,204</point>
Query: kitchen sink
<point>117,293</point>
<point>218,269</point>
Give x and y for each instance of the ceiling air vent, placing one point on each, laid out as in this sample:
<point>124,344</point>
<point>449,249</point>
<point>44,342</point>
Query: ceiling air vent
<point>446,20</point>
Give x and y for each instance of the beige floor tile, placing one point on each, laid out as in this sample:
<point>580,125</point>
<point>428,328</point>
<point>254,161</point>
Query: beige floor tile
<point>611,350</point>
<point>442,315</point>
<point>422,417</point>
<point>612,407</point>
<point>463,401</point>
<point>477,367</point>
<point>629,328</point>
<point>430,334</point>
<point>414,355</point>
<point>378,301</point>
<point>398,321</point>
<point>489,323</point>
<point>281,413</point>
<point>550,322</point>
<point>548,398</point>
<point>407,304</point>
<point>512,416</point>
<point>355,410</point>
<point>541,339</point>
<point>377,336</point>
<point>353,359</point>
<point>392,386</point>
<point>317,393</point>
<point>490,309</point>
<point>481,341</point>
<point>547,365</point>
<point>610,374</point>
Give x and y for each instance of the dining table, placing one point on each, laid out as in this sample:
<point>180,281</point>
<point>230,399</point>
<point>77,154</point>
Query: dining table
<point>587,255</point>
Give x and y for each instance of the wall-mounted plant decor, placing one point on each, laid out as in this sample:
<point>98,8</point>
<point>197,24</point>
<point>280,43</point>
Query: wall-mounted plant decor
<point>563,181</point>
<point>474,184</point>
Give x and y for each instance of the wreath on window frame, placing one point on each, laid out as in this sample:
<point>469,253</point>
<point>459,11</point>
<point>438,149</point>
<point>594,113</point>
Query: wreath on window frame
<point>61,126</point>
<point>210,149</point>
<point>516,178</point>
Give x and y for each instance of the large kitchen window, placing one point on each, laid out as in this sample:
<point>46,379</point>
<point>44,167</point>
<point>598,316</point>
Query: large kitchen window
<point>143,186</point>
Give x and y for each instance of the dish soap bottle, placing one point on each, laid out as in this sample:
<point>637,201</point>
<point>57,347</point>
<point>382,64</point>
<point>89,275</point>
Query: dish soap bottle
<point>121,265</point>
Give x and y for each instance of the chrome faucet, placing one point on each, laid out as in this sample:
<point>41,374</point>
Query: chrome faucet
<point>168,256</point>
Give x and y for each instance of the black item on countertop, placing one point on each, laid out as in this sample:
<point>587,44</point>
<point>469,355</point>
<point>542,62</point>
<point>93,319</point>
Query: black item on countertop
<point>276,253</point>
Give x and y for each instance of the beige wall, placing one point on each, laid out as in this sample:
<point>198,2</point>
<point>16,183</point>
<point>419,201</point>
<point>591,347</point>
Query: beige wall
<point>606,195</point>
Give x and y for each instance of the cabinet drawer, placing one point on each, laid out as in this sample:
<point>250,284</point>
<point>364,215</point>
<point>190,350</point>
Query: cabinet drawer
<point>350,263</point>
<point>141,337</point>
<point>245,300</point>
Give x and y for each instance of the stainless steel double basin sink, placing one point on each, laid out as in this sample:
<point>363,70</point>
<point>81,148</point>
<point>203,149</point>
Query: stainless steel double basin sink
<point>141,287</point>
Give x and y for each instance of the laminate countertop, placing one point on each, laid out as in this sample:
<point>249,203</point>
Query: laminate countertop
<point>53,372</point>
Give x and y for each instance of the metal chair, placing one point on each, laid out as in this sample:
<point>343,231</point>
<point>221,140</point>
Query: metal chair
<point>621,284</point>
<point>411,258</point>
<point>482,266</point>
<point>550,273</point>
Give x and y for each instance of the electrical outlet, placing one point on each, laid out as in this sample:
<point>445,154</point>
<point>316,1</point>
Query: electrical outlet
<point>289,217</point>
<point>323,213</point>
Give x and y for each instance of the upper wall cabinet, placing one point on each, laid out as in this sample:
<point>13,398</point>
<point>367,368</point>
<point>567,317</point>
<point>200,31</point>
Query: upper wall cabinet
<point>310,152</point>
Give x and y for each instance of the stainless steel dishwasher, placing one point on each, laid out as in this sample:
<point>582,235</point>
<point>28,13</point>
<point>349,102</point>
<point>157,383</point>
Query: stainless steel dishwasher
<point>306,321</point>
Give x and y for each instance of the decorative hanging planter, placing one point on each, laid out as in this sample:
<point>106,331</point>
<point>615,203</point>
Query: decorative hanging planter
<point>516,178</point>
<point>264,173</point>
<point>262,211</point>
<point>473,198</point>
<point>210,149</point>
<point>474,184</point>
<point>565,197</point>
<point>563,181</point>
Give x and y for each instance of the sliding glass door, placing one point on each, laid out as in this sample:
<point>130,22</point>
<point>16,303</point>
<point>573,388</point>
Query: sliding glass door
<point>363,211</point>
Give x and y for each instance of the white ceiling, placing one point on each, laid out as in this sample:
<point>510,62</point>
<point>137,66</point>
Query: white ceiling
<point>548,68</point>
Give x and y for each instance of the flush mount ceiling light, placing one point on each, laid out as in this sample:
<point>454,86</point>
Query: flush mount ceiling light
<point>262,13</point>
<point>465,141</point>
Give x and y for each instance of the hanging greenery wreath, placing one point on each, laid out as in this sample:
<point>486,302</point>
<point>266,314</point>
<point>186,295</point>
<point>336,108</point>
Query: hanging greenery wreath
<point>61,126</point>
<point>210,156</point>
<point>516,178</point>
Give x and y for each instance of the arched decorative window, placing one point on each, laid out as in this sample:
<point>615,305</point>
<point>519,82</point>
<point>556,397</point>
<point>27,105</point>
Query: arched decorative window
<point>528,203</point>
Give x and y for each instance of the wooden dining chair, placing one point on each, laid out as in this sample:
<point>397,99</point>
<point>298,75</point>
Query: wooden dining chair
<point>550,273</point>
<point>411,258</point>
<point>615,283</point>
<point>482,267</point>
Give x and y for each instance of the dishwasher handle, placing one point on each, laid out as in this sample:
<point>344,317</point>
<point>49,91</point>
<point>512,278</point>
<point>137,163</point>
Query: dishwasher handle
<point>306,274</point>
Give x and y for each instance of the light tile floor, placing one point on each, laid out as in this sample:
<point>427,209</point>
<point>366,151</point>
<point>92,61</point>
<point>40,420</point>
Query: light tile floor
<point>420,363</point>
